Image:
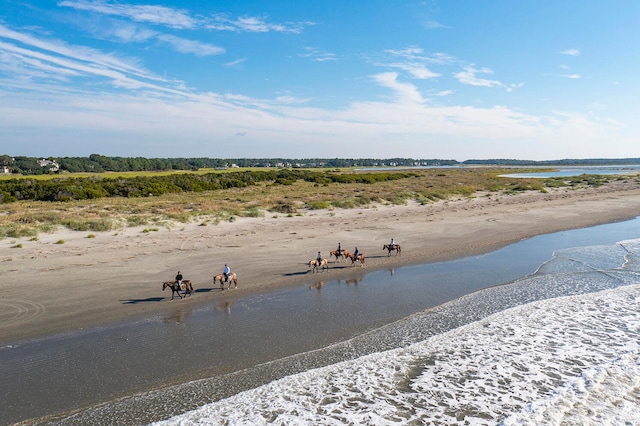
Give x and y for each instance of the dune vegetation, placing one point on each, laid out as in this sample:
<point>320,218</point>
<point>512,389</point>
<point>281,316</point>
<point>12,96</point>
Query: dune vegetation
<point>104,204</point>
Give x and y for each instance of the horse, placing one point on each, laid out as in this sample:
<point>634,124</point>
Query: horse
<point>339,257</point>
<point>233,278</point>
<point>323,264</point>
<point>175,288</point>
<point>353,258</point>
<point>391,248</point>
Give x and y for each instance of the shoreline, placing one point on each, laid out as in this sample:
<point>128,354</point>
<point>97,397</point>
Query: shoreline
<point>115,277</point>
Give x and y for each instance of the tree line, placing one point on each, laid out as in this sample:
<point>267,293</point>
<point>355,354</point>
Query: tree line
<point>97,163</point>
<point>93,187</point>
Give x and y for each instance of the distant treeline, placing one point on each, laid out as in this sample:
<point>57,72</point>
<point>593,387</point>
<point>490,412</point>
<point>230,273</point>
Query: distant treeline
<point>96,163</point>
<point>73,188</point>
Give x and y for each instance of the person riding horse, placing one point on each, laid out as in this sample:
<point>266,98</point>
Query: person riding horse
<point>226,272</point>
<point>339,249</point>
<point>179,280</point>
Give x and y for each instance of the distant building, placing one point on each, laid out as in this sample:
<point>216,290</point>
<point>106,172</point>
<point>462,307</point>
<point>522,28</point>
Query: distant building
<point>5,169</point>
<point>51,165</point>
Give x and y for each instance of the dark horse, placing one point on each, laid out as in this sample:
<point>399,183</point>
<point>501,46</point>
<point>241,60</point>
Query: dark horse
<point>175,288</point>
<point>391,248</point>
<point>353,258</point>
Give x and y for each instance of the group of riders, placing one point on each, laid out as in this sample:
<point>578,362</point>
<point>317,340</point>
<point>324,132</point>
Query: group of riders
<point>356,253</point>
<point>226,272</point>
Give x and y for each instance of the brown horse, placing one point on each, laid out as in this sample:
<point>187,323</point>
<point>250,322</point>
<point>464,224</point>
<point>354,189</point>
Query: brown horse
<point>233,278</point>
<point>187,287</point>
<point>323,264</point>
<point>339,257</point>
<point>353,258</point>
<point>395,247</point>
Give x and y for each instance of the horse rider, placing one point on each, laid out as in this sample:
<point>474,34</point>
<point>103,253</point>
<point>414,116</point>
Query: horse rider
<point>226,272</point>
<point>356,254</point>
<point>319,259</point>
<point>179,279</point>
<point>392,245</point>
<point>339,249</point>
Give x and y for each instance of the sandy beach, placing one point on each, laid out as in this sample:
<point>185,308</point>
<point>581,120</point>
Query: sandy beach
<point>86,282</point>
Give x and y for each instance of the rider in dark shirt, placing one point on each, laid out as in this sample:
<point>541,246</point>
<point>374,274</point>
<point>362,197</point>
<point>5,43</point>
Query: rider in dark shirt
<point>179,279</point>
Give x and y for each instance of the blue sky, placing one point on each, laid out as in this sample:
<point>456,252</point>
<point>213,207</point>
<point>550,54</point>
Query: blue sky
<point>523,79</point>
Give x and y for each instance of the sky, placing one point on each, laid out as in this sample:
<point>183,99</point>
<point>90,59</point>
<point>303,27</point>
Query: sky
<point>423,79</point>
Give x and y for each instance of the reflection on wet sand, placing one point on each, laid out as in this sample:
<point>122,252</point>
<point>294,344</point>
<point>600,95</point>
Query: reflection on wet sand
<point>353,281</point>
<point>317,285</point>
<point>225,306</point>
<point>177,316</point>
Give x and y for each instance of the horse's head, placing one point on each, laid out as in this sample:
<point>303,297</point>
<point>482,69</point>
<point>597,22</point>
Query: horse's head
<point>164,285</point>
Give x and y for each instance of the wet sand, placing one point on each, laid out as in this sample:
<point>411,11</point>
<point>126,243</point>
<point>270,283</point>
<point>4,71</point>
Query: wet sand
<point>118,275</point>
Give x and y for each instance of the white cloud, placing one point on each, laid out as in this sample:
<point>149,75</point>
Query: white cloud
<point>318,55</point>
<point>469,76</point>
<point>571,52</point>
<point>157,15</point>
<point>191,46</point>
<point>412,60</point>
<point>254,24</point>
<point>235,63</point>
<point>432,25</point>
<point>572,76</point>
<point>404,92</point>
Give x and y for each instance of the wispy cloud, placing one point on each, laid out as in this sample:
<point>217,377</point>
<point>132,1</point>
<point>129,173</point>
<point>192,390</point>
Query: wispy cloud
<point>572,76</point>
<point>182,19</point>
<point>235,63</point>
<point>151,14</point>
<point>432,24</point>
<point>191,46</point>
<point>470,76</point>
<point>413,60</point>
<point>318,55</point>
<point>254,24</point>
<point>571,52</point>
<point>44,59</point>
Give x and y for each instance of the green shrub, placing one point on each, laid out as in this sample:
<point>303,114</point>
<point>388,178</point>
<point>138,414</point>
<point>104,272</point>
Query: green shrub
<point>318,205</point>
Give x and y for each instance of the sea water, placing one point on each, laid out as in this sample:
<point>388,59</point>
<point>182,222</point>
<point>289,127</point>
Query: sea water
<point>562,348</point>
<point>524,335</point>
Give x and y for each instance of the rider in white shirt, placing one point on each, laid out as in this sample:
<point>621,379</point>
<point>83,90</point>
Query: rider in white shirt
<point>226,272</point>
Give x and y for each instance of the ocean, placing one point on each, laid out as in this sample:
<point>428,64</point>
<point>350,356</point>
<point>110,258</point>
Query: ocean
<point>545,331</point>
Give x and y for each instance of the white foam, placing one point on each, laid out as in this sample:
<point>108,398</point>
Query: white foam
<point>572,359</point>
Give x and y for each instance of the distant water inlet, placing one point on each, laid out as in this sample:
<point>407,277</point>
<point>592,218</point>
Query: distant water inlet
<point>577,171</point>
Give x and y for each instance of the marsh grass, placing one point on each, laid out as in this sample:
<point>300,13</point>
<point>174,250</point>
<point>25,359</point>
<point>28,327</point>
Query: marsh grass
<point>28,218</point>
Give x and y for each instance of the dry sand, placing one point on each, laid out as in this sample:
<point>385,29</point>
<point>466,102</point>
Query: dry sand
<point>87,282</point>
